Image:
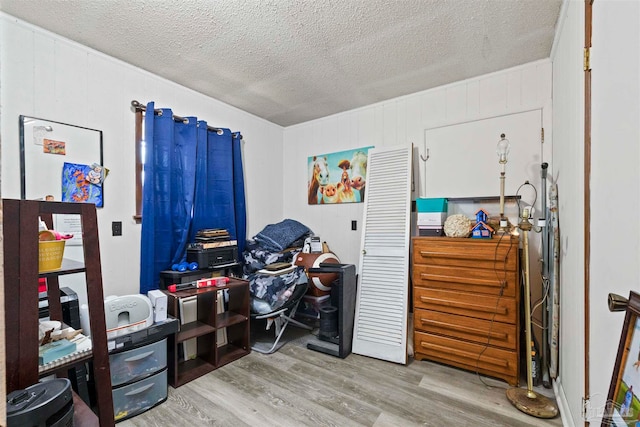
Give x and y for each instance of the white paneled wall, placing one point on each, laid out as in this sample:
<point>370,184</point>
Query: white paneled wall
<point>615,179</point>
<point>568,155</point>
<point>399,121</point>
<point>47,76</point>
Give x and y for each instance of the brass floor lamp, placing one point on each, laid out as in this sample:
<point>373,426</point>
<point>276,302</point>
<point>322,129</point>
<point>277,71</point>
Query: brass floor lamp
<point>526,400</point>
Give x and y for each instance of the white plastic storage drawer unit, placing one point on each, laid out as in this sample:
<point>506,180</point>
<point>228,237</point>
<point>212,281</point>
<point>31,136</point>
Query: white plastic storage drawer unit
<point>138,363</point>
<point>140,396</point>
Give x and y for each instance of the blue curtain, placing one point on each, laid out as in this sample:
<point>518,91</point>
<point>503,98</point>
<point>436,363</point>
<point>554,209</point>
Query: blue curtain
<point>238,188</point>
<point>190,179</point>
<point>219,200</point>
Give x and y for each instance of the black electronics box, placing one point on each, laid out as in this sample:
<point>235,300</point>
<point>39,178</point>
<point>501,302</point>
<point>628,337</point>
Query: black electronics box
<point>170,277</point>
<point>70,307</point>
<point>430,231</point>
<point>213,257</point>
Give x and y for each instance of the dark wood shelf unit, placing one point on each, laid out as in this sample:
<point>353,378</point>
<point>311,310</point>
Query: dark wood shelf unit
<point>229,353</point>
<point>69,266</point>
<point>210,353</point>
<point>229,319</point>
<point>192,369</point>
<point>20,228</point>
<point>83,416</point>
<point>65,367</point>
<point>193,330</point>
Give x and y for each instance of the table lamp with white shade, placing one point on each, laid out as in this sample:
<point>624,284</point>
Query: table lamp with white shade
<point>502,150</point>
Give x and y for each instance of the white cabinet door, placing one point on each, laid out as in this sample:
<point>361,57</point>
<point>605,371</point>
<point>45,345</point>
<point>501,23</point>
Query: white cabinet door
<point>380,328</point>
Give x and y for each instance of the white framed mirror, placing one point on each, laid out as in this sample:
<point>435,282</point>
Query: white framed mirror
<point>60,161</point>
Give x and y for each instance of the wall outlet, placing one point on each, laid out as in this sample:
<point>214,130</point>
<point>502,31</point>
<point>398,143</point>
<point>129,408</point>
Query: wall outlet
<point>116,228</point>
<point>354,225</point>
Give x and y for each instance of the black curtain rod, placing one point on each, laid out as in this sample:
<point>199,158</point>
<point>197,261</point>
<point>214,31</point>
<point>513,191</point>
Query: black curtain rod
<point>138,106</point>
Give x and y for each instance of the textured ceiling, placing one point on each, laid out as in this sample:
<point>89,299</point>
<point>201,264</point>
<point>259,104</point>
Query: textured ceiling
<point>290,61</point>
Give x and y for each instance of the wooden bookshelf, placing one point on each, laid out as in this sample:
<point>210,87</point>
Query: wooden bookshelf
<point>20,230</point>
<point>211,354</point>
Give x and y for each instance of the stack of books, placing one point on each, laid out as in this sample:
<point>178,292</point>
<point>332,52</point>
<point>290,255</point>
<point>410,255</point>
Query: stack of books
<point>213,248</point>
<point>212,238</point>
<point>212,235</point>
<point>277,268</point>
<point>210,245</point>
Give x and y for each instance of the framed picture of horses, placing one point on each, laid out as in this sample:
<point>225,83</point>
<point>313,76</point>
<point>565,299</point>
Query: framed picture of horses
<point>623,405</point>
<point>339,177</point>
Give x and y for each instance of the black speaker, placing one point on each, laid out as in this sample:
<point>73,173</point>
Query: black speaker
<point>45,404</point>
<point>343,300</point>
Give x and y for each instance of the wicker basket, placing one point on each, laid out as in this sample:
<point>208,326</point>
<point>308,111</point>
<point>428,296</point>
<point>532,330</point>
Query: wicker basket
<point>50,255</point>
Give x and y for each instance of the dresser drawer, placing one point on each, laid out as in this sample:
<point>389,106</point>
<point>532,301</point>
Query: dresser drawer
<point>466,279</point>
<point>493,254</point>
<point>473,305</point>
<point>138,363</point>
<point>480,331</point>
<point>474,357</point>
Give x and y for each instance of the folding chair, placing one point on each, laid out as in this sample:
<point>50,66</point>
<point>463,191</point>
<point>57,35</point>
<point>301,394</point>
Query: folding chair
<point>282,317</point>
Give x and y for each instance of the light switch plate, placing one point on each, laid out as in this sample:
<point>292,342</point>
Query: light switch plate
<point>116,228</point>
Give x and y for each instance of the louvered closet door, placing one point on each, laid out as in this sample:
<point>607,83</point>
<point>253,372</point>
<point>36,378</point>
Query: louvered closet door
<point>380,328</point>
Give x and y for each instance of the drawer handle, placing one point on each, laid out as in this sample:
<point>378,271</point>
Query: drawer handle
<point>468,281</point>
<point>465,354</point>
<point>432,254</point>
<point>465,305</point>
<point>426,254</point>
<point>139,356</point>
<point>140,390</point>
<point>473,331</point>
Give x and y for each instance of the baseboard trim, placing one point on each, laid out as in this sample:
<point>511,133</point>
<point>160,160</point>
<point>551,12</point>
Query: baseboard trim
<point>563,405</point>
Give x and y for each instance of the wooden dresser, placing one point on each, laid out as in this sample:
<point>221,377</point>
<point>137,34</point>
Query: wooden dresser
<point>466,298</point>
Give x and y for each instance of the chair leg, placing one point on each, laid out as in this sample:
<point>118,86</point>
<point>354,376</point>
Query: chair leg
<point>299,324</point>
<point>280,327</point>
<point>291,319</point>
<point>281,323</point>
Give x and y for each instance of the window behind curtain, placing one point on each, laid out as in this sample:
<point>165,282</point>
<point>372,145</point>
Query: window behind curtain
<point>139,123</point>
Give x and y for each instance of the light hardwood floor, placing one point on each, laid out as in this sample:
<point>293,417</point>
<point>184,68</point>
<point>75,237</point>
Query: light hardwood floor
<point>300,387</point>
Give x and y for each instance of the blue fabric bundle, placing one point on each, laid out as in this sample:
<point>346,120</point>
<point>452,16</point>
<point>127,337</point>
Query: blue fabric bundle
<point>280,236</point>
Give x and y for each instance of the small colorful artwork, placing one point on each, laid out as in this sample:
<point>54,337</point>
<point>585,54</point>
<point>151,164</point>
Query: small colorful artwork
<point>51,146</point>
<point>339,177</point>
<point>76,187</point>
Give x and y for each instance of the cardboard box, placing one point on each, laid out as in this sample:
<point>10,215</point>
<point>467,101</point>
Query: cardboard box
<point>159,302</point>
